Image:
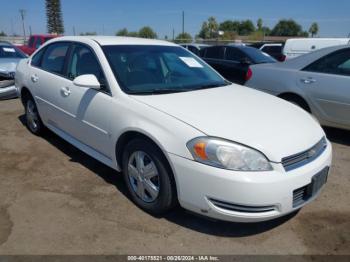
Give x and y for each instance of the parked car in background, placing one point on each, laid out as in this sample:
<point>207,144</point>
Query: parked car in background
<point>319,82</point>
<point>194,48</point>
<point>273,49</point>
<point>34,42</point>
<point>10,55</point>
<point>233,61</point>
<point>300,46</point>
<point>177,130</point>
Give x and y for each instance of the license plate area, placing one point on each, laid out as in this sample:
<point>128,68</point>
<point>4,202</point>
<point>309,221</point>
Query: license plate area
<point>303,194</point>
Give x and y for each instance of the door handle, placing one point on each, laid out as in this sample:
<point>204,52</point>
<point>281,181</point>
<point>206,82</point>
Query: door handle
<point>34,78</point>
<point>308,80</point>
<point>65,91</point>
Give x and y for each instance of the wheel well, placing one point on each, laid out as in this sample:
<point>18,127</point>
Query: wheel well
<point>125,138</point>
<point>296,98</point>
<point>25,94</point>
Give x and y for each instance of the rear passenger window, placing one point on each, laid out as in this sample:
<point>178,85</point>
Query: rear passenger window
<point>234,54</point>
<point>337,63</point>
<point>54,57</point>
<point>215,52</point>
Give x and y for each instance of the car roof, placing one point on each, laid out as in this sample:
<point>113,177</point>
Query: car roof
<point>115,40</point>
<point>304,60</point>
<point>5,43</point>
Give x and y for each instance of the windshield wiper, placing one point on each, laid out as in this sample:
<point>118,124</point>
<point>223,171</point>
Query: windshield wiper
<point>159,91</point>
<point>214,85</point>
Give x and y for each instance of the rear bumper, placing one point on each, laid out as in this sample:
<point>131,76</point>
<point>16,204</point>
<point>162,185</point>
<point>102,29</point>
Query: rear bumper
<point>243,196</point>
<point>8,92</point>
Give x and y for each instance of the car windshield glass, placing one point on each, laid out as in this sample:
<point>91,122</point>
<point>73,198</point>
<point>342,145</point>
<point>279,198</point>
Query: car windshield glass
<point>142,69</point>
<point>8,51</point>
<point>257,56</point>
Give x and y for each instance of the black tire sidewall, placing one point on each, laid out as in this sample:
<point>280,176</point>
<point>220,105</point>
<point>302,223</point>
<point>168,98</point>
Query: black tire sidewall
<point>40,128</point>
<point>167,195</point>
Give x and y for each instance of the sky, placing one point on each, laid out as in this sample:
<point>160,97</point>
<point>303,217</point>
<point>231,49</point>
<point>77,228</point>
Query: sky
<point>108,16</point>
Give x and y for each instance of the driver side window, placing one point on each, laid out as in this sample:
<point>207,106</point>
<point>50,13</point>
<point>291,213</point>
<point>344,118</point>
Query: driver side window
<point>83,62</point>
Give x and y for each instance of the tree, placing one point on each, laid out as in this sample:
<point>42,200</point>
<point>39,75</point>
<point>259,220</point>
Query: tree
<point>212,26</point>
<point>183,38</point>
<point>122,32</point>
<point>266,30</point>
<point>147,32</point>
<point>246,27</point>
<point>287,28</point>
<point>259,24</point>
<point>88,33</point>
<point>54,17</point>
<point>229,26</point>
<point>313,29</point>
<point>2,33</point>
<point>133,34</point>
<point>209,29</point>
<point>204,32</point>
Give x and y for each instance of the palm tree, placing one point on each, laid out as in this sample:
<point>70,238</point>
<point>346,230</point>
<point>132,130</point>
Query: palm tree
<point>313,29</point>
<point>54,17</point>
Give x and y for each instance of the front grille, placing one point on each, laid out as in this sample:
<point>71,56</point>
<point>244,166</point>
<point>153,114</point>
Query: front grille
<point>241,208</point>
<point>292,162</point>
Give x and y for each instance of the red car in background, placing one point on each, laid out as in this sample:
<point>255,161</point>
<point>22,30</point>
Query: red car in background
<point>34,42</point>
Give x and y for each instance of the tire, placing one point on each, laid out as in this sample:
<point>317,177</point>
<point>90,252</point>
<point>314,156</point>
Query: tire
<point>148,177</point>
<point>33,120</point>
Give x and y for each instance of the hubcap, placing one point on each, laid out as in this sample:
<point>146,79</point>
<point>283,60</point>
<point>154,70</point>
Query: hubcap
<point>32,116</point>
<point>143,176</point>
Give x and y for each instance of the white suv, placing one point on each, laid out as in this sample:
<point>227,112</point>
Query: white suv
<point>179,131</point>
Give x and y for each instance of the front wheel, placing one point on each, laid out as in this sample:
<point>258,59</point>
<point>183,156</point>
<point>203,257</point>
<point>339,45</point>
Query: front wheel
<point>148,177</point>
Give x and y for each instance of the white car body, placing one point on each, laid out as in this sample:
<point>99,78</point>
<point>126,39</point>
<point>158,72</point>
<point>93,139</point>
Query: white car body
<point>326,94</point>
<point>94,122</point>
<point>300,46</point>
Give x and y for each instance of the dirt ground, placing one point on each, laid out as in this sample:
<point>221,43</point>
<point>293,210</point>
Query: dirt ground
<point>54,199</point>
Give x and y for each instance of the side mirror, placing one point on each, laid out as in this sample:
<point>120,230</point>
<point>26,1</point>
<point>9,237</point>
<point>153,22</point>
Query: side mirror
<point>245,61</point>
<point>88,81</point>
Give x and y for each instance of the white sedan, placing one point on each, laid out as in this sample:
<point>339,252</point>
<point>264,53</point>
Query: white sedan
<point>318,82</point>
<point>177,130</point>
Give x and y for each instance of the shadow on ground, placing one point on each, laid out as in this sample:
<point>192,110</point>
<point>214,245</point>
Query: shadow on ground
<point>178,216</point>
<point>339,136</point>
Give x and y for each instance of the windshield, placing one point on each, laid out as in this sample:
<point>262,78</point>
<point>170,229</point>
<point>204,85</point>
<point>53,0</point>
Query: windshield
<point>8,51</point>
<point>258,56</point>
<point>142,69</point>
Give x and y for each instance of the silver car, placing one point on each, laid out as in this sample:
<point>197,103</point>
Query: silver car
<point>319,82</point>
<point>9,58</point>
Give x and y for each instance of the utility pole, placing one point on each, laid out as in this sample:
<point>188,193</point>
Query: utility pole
<point>30,30</point>
<point>183,22</point>
<point>73,30</point>
<point>23,13</point>
<point>173,34</point>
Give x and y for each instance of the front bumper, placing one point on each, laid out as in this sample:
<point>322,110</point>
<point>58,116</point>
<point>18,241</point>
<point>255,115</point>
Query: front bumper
<point>8,92</point>
<point>203,189</point>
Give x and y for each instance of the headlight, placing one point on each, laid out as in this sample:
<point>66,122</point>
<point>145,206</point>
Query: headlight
<point>228,155</point>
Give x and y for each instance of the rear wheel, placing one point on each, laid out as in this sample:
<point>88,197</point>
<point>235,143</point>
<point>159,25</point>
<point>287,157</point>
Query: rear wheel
<point>148,177</point>
<point>33,120</point>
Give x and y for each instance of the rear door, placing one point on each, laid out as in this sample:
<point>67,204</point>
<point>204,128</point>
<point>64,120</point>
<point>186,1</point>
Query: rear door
<point>47,79</point>
<point>233,68</point>
<point>214,56</point>
<point>327,84</point>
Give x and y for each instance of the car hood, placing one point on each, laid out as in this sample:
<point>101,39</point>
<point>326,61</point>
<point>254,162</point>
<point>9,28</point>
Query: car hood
<point>8,65</point>
<point>273,126</point>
